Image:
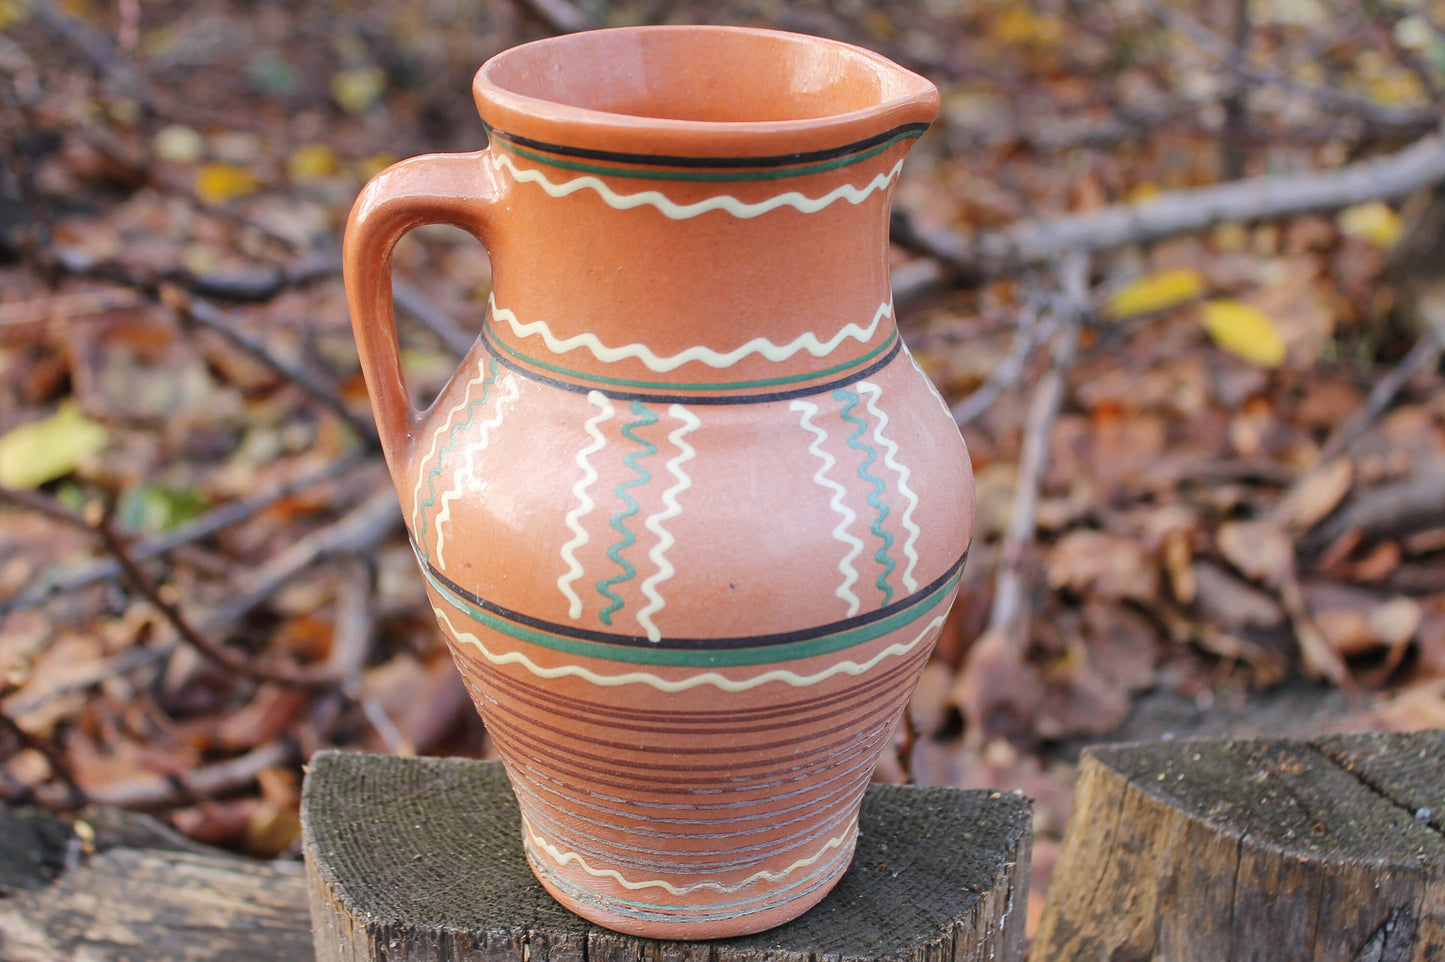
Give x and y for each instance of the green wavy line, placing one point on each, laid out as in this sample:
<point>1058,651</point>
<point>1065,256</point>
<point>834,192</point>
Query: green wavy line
<point>618,522</point>
<point>487,383</point>
<point>850,401</point>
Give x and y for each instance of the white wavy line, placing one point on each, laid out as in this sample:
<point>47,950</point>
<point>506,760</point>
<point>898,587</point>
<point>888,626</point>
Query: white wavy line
<point>660,364</point>
<point>658,554</point>
<point>435,441</point>
<point>694,681</point>
<point>845,567</point>
<point>928,381</point>
<point>562,858</point>
<point>722,202</point>
<point>468,471</point>
<point>890,458</point>
<point>584,502</point>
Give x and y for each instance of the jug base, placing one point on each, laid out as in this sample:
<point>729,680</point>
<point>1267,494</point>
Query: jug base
<point>653,921</point>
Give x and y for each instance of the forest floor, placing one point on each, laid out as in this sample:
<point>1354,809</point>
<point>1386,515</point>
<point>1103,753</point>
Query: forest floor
<point>1210,454</point>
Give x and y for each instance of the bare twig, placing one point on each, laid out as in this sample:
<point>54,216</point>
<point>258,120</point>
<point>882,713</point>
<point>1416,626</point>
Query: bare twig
<point>357,532</point>
<point>433,318</point>
<point>1236,105</point>
<point>1009,586</point>
<point>1031,331</point>
<point>1389,511</point>
<point>213,318</point>
<point>59,767</point>
<point>210,781</point>
<point>560,15</point>
<point>1172,213</point>
<point>1232,56</point>
<point>1383,394</point>
<point>233,512</point>
<point>114,543</point>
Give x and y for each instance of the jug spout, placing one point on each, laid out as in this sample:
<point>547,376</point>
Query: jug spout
<point>696,208</point>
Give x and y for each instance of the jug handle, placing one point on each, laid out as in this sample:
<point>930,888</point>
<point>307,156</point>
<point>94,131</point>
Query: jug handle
<point>455,189</point>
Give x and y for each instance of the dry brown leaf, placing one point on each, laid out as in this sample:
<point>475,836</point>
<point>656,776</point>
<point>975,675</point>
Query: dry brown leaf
<point>1220,598</point>
<point>1261,550</point>
<point>1104,565</point>
<point>1317,494</point>
<point>997,691</point>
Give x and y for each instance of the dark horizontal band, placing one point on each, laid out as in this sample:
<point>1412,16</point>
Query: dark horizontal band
<point>499,352</point>
<point>722,163</point>
<point>694,644</point>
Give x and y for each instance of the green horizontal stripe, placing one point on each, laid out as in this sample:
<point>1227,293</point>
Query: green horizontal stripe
<point>712,176</point>
<point>675,386</point>
<point>675,658</point>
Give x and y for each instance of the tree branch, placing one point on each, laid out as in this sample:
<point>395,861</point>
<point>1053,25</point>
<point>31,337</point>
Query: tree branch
<point>1038,242</point>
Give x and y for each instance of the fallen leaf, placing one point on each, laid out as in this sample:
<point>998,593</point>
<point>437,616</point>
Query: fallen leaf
<point>315,162</point>
<point>357,89</point>
<point>1317,494</point>
<point>178,144</point>
<point>1244,331</point>
<point>1261,550</point>
<point>1102,564</point>
<point>1221,598</point>
<point>41,451</point>
<point>219,183</point>
<point>1375,222</point>
<point>1157,292</point>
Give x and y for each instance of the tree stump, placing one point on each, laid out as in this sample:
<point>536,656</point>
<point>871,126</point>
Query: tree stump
<point>120,887</point>
<point>421,859</point>
<point>1274,850</point>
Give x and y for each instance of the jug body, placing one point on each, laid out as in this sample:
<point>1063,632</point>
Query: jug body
<point>689,515</point>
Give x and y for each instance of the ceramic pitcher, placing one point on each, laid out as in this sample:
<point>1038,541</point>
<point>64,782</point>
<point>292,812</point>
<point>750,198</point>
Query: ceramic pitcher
<point>689,514</point>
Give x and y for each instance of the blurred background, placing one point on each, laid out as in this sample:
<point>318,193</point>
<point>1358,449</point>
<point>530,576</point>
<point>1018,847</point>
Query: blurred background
<point>1178,267</point>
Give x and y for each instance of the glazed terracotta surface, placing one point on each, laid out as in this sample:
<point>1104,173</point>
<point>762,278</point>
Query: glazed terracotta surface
<point>689,514</point>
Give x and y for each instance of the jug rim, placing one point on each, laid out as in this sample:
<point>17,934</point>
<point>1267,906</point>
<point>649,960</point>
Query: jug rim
<point>904,99</point>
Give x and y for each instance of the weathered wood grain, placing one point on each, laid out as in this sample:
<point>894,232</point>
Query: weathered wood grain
<point>420,859</point>
<point>140,894</point>
<point>1219,851</point>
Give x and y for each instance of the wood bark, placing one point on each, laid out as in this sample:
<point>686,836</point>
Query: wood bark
<point>1274,850</point>
<point>122,888</point>
<point>421,859</point>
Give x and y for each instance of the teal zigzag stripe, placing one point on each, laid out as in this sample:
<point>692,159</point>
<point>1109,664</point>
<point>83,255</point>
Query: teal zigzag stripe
<point>644,417</point>
<point>431,479</point>
<point>850,401</point>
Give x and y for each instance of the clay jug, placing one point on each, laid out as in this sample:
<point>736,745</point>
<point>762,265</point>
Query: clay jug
<point>689,514</point>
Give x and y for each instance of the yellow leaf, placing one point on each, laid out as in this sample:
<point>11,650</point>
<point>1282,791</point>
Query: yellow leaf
<point>357,89</point>
<point>1374,221</point>
<point>1245,331</point>
<point>1018,26</point>
<point>13,11</point>
<point>1157,292</point>
<point>218,183</point>
<point>312,163</point>
<point>41,451</point>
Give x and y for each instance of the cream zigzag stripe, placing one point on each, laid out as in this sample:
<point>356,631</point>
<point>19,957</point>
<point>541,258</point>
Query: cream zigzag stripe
<point>658,554</point>
<point>890,458</point>
<point>722,202</point>
<point>436,440</point>
<point>562,858</point>
<point>694,681</point>
<point>661,364</point>
<point>584,502</point>
<point>845,567</point>
<point>468,474</point>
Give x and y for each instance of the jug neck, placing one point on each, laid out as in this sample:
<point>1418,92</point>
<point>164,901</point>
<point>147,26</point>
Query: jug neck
<point>694,278</point>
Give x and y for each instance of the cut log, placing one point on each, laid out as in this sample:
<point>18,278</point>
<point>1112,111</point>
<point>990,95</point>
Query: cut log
<point>421,859</point>
<point>1274,850</point>
<point>123,888</point>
